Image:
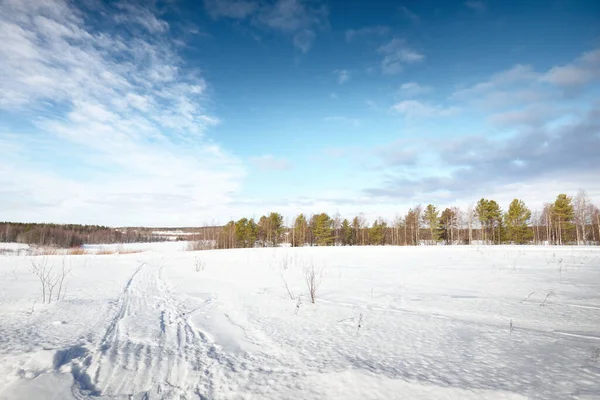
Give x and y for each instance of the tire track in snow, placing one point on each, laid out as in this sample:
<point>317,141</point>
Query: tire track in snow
<point>150,349</point>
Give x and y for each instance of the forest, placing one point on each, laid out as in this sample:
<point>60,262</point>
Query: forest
<point>566,221</point>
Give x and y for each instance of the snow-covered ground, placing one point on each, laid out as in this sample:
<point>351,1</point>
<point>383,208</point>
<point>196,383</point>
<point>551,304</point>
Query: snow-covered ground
<point>435,323</point>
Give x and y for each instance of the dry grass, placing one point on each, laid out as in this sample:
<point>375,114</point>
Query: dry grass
<point>77,251</point>
<point>120,250</point>
<point>46,251</point>
<point>130,251</point>
<point>105,252</point>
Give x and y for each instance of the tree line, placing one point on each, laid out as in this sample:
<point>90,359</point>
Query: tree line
<point>567,220</point>
<point>71,235</point>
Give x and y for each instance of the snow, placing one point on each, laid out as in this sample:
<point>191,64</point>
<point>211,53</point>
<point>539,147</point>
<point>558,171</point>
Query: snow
<point>436,324</point>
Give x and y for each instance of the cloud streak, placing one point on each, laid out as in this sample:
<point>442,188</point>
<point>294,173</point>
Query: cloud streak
<point>130,114</point>
<point>298,19</point>
<point>396,54</point>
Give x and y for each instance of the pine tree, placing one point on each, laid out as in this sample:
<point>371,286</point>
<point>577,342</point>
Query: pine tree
<point>430,217</point>
<point>490,216</point>
<point>346,233</point>
<point>516,220</point>
<point>563,215</point>
<point>377,232</point>
<point>322,226</point>
<point>300,231</point>
<point>276,228</point>
<point>446,224</point>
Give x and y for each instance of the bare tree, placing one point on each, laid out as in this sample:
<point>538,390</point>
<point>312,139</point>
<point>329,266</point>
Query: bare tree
<point>580,216</point>
<point>49,278</point>
<point>39,267</point>
<point>62,284</point>
<point>313,280</point>
<point>470,218</point>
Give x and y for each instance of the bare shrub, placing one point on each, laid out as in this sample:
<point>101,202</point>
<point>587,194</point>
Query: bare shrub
<point>550,293</point>
<point>284,266</point>
<point>50,278</point>
<point>313,280</point>
<point>199,265</point>
<point>45,251</point>
<point>200,245</point>
<point>289,291</point>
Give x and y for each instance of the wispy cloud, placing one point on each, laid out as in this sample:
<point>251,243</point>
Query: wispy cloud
<point>131,114</point>
<point>352,34</point>
<point>300,19</point>
<point>269,162</point>
<point>342,75</point>
<point>538,125</point>
<point>397,54</point>
<point>414,89</point>
<point>577,74</point>
<point>410,15</point>
<point>478,6</point>
<point>417,109</point>
<point>236,9</point>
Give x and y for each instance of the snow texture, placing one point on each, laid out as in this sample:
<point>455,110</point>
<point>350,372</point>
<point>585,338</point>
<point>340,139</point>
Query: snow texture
<point>428,322</point>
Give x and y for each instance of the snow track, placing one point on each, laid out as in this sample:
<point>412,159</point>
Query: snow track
<point>150,350</point>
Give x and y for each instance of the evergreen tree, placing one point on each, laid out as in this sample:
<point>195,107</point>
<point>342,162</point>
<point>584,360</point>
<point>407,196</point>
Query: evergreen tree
<point>300,231</point>
<point>490,216</point>
<point>270,229</point>
<point>563,213</point>
<point>446,224</point>
<point>356,230</point>
<point>377,233</point>
<point>245,232</point>
<point>276,227</point>
<point>346,233</point>
<point>322,226</point>
<point>516,220</point>
<point>430,217</point>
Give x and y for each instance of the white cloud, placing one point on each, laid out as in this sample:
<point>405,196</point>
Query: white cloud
<point>352,34</point>
<point>133,14</point>
<point>410,15</point>
<point>119,127</point>
<point>478,6</point>
<point>269,162</point>
<point>579,73</point>
<point>396,55</point>
<point>414,89</point>
<point>517,75</point>
<point>303,40</point>
<point>236,9</point>
<point>296,18</point>
<point>417,109</point>
<point>342,75</point>
<point>533,115</point>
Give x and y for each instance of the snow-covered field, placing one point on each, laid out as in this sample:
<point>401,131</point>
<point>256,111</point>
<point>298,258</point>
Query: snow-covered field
<point>435,323</point>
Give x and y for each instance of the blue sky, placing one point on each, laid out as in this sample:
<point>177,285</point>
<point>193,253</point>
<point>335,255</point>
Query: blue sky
<point>189,113</point>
